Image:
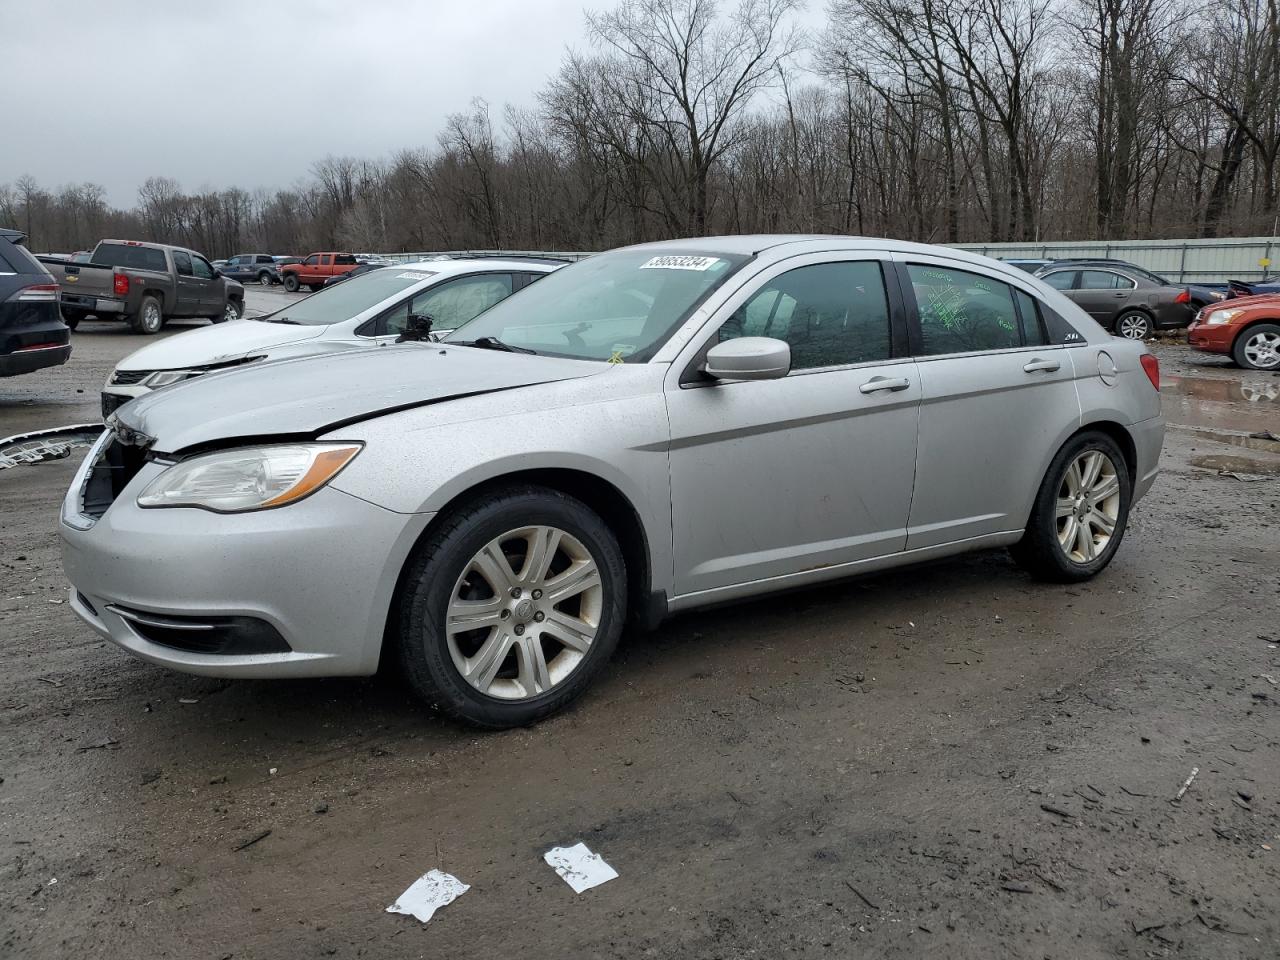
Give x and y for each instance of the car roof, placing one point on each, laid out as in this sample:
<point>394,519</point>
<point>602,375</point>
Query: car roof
<point>493,264</point>
<point>16,236</point>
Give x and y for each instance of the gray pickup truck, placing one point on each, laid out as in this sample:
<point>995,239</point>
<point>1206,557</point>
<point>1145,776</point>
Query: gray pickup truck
<point>144,284</point>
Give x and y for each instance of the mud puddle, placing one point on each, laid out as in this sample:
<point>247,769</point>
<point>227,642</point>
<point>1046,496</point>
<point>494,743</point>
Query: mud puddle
<point>1248,404</point>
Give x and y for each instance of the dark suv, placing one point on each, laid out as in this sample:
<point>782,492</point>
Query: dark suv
<point>32,334</point>
<point>1128,301</point>
<point>252,268</point>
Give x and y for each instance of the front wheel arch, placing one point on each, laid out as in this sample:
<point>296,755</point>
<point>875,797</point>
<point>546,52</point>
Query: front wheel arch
<point>647,606</point>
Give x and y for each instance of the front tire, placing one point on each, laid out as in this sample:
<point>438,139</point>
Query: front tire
<point>1258,348</point>
<point>511,607</point>
<point>150,317</point>
<point>1080,512</point>
<point>264,278</point>
<point>291,282</point>
<point>1133,325</point>
<point>232,311</point>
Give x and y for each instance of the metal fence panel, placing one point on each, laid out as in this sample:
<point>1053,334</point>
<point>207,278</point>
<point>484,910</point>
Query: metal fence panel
<point>1184,261</point>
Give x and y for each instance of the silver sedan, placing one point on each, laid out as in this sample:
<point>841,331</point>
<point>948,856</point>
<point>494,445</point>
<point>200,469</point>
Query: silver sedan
<point>644,432</point>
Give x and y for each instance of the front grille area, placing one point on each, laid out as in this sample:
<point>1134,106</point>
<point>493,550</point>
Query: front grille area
<point>128,377</point>
<point>115,467</point>
<point>111,402</point>
<point>221,635</point>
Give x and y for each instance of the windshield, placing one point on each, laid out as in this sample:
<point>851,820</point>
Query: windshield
<point>347,299</point>
<point>619,306</point>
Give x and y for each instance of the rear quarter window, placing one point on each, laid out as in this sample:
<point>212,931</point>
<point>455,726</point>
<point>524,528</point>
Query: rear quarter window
<point>124,255</point>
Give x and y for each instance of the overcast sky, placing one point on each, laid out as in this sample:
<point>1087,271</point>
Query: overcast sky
<point>251,93</point>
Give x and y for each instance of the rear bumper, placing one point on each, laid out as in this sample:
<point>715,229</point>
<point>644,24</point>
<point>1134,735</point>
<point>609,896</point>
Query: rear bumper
<point>1173,315</point>
<point>1148,438</point>
<point>26,361</point>
<point>1211,337</point>
<point>88,304</point>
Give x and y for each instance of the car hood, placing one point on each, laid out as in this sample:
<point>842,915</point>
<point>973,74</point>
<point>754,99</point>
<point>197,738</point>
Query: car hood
<point>217,343</point>
<point>1238,303</point>
<point>310,396</point>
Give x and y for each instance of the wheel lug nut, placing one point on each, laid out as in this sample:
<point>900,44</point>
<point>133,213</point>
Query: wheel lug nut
<point>505,614</point>
<point>539,616</point>
<point>537,594</point>
<point>519,629</point>
<point>515,593</point>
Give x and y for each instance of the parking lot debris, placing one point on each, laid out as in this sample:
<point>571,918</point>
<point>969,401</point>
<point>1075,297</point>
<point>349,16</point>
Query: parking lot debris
<point>188,699</point>
<point>1057,811</point>
<point>861,896</point>
<point>260,835</point>
<point>1264,435</point>
<point>1014,886</point>
<point>1186,784</point>
<point>427,894</point>
<point>1244,477</point>
<point>579,867</point>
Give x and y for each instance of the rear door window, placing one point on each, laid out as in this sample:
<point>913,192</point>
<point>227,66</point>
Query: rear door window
<point>1103,280</point>
<point>963,312</point>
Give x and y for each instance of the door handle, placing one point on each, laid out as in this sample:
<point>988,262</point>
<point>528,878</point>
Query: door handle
<point>876,384</point>
<point>1038,364</point>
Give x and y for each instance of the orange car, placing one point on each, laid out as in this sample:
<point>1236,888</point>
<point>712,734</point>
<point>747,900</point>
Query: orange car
<point>1245,328</point>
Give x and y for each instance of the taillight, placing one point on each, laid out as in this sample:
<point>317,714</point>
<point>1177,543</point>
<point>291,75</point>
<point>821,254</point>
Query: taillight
<point>121,285</point>
<point>1183,297</point>
<point>37,293</point>
<point>1152,366</point>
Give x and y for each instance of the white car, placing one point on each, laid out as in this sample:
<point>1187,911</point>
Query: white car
<point>373,308</point>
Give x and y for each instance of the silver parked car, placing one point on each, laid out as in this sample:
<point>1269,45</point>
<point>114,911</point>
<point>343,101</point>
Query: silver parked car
<point>646,431</point>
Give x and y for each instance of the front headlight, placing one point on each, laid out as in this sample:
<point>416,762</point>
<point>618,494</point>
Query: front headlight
<point>249,478</point>
<point>1222,316</point>
<point>162,378</point>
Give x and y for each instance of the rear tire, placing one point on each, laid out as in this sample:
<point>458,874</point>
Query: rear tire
<point>1258,348</point>
<point>291,282</point>
<point>233,310</point>
<point>264,278</point>
<point>1067,539</point>
<point>1134,325</point>
<point>72,318</point>
<point>150,317</point>
<point>541,538</point>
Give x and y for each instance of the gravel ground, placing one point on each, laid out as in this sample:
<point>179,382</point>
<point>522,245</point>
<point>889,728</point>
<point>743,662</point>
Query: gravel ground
<point>947,761</point>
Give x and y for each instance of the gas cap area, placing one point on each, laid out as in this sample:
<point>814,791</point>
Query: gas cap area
<point>1107,368</point>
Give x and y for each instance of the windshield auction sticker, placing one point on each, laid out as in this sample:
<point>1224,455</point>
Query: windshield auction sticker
<point>680,263</point>
<point>416,275</point>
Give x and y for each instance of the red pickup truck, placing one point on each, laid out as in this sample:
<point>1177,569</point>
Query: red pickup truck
<point>316,269</point>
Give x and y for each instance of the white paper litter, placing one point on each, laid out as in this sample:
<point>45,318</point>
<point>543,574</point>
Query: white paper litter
<point>579,867</point>
<point>427,894</point>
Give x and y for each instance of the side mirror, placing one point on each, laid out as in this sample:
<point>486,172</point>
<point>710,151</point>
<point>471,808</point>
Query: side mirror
<point>417,326</point>
<point>217,274</point>
<point>749,358</point>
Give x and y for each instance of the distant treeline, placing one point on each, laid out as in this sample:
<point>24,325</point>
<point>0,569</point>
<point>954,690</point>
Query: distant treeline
<point>935,120</point>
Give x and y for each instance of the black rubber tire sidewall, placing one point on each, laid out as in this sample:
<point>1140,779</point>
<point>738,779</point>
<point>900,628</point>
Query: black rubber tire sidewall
<point>432,573</point>
<point>135,322</point>
<point>1237,348</point>
<point>1039,551</point>
<point>264,278</point>
<point>291,283</point>
<point>72,320</point>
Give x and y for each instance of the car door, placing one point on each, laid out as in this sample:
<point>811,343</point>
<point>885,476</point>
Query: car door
<point>787,478</point>
<point>210,289</point>
<point>189,290</point>
<point>996,396</point>
<point>309,269</point>
<point>1102,293</point>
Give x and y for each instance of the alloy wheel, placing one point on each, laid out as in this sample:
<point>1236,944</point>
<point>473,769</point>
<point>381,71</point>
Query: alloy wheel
<point>1263,350</point>
<point>1134,326</point>
<point>524,612</point>
<point>1088,506</point>
<point>264,279</point>
<point>230,313</point>
<point>152,318</point>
